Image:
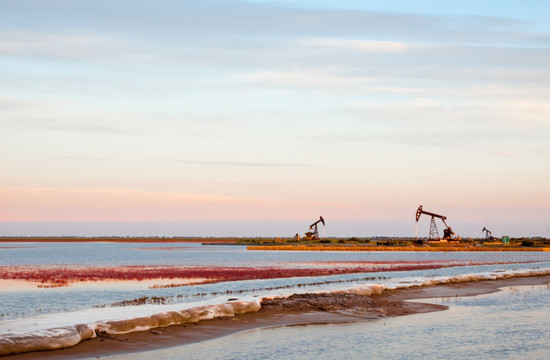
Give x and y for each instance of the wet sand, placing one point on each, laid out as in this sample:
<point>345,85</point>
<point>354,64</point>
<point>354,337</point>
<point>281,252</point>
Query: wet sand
<point>298,309</point>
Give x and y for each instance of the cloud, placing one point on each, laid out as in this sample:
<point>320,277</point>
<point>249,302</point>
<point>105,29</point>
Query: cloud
<point>14,104</point>
<point>196,31</point>
<point>66,125</point>
<point>369,46</point>
<point>241,17</point>
<point>60,45</point>
<point>83,158</point>
<point>317,79</point>
<point>419,102</point>
<point>494,113</point>
<point>245,164</point>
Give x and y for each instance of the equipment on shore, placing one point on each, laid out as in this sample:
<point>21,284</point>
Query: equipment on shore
<point>488,234</point>
<point>313,233</point>
<point>434,234</point>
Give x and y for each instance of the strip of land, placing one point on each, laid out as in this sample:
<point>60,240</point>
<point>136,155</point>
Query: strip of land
<point>333,244</point>
<point>436,248</point>
<point>295,310</point>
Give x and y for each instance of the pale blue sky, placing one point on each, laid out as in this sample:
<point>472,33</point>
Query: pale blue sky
<point>190,116</point>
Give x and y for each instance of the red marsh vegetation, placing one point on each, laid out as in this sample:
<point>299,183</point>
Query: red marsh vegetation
<point>64,275</point>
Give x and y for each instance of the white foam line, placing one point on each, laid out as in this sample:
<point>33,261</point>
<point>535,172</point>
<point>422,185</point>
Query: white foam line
<point>20,339</point>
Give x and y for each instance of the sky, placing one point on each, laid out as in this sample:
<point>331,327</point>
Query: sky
<point>254,118</point>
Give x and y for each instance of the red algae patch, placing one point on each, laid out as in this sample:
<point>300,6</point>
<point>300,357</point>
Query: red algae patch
<point>172,276</point>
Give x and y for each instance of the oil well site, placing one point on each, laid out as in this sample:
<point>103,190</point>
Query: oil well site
<point>432,233</point>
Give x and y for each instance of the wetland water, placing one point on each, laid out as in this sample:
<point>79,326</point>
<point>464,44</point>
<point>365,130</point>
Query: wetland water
<point>25,300</point>
<point>27,310</point>
<point>511,324</point>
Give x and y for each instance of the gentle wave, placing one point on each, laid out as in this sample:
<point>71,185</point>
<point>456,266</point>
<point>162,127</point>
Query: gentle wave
<point>14,342</point>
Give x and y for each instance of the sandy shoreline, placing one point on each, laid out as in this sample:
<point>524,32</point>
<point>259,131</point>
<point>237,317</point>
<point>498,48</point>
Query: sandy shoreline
<point>298,309</point>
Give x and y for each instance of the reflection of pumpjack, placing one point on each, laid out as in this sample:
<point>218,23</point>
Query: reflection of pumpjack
<point>447,232</point>
<point>313,233</point>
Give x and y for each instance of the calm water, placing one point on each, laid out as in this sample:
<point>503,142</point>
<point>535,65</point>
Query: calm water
<point>512,324</point>
<point>107,254</point>
<point>38,301</point>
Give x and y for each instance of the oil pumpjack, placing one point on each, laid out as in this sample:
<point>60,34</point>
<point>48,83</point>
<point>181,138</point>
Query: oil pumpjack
<point>488,234</point>
<point>434,234</point>
<point>313,233</point>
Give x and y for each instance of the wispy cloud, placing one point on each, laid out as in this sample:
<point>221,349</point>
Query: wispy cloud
<point>369,46</point>
<point>203,27</point>
<point>83,158</point>
<point>14,104</point>
<point>58,125</point>
<point>62,44</point>
<point>244,164</point>
<point>322,80</point>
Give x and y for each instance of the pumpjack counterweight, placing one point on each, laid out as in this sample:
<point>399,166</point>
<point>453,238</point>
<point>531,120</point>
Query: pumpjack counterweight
<point>313,233</point>
<point>488,234</point>
<point>434,234</point>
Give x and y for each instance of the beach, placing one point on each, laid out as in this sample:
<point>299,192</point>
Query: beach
<point>294,310</point>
